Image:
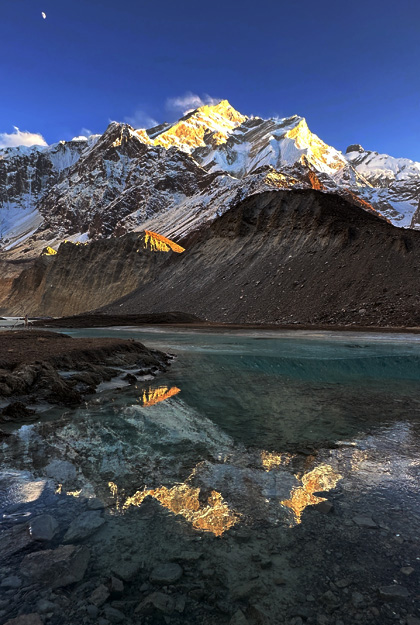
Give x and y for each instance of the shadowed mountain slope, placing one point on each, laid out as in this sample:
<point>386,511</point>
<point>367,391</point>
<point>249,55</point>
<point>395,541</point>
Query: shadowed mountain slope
<point>298,256</point>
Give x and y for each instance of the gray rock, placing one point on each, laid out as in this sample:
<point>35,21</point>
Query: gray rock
<point>99,595</point>
<point>245,590</point>
<point>407,570</point>
<point>238,618</point>
<point>113,615</point>
<point>56,567</point>
<point>324,506</point>
<point>330,598</point>
<point>393,593</point>
<point>11,582</point>
<point>83,526</point>
<point>188,556</point>
<point>127,569</point>
<point>357,599</point>
<point>95,504</point>
<point>180,603</point>
<point>92,611</point>
<point>43,528</point>
<point>412,620</point>
<point>61,471</point>
<point>365,521</point>
<point>164,574</point>
<point>116,587</point>
<point>343,583</point>
<point>157,601</point>
<point>26,619</point>
<point>44,607</point>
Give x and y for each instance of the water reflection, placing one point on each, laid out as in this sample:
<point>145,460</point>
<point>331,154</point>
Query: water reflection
<point>156,395</point>
<point>212,516</point>
<point>322,478</point>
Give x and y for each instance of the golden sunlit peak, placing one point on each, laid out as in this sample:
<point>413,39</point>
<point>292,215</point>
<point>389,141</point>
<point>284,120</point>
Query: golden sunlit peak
<point>156,395</point>
<point>49,251</point>
<point>214,516</point>
<point>322,478</point>
<point>158,243</point>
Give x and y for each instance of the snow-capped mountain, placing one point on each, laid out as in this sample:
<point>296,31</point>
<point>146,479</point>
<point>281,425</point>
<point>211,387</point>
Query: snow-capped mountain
<point>173,178</point>
<point>395,182</point>
<point>26,173</point>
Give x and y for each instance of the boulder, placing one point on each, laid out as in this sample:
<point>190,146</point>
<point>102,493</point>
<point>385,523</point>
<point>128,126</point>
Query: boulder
<point>56,567</point>
<point>43,528</point>
<point>83,526</point>
<point>164,574</point>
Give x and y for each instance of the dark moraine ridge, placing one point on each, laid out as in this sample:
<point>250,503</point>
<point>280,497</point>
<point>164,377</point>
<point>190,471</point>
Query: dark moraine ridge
<point>279,257</point>
<point>291,257</point>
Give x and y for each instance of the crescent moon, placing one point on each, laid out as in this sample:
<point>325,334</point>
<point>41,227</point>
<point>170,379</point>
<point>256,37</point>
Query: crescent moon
<point>44,15</point>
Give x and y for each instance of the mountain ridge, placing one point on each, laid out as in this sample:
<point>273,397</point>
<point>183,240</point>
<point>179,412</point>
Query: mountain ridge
<point>194,168</point>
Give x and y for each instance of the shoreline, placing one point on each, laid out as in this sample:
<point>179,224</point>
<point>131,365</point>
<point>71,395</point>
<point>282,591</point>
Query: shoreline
<point>167,321</point>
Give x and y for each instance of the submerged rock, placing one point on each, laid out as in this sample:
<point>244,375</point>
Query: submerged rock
<point>83,526</point>
<point>157,601</point>
<point>56,567</point>
<point>393,593</point>
<point>26,619</point>
<point>166,574</point>
<point>43,528</point>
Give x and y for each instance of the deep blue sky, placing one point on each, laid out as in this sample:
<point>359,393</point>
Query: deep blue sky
<point>351,68</point>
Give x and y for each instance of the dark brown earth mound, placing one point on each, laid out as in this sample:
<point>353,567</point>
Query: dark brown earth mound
<point>98,320</point>
<point>291,257</point>
<point>31,362</point>
<point>280,257</point>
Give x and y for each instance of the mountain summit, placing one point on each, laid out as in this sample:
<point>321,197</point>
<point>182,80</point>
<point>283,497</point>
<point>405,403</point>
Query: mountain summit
<point>173,178</point>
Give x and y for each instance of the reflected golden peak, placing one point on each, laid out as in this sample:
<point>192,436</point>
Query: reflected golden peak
<point>154,396</point>
<point>319,479</point>
<point>158,243</point>
<point>271,460</point>
<point>215,516</point>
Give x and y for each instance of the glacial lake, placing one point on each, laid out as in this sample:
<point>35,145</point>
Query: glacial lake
<point>278,470</point>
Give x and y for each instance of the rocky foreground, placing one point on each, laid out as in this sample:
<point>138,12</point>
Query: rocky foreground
<point>41,366</point>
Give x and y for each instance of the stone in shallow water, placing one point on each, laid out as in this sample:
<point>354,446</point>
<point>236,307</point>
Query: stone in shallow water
<point>99,595</point>
<point>26,619</point>
<point>95,504</point>
<point>43,527</point>
<point>127,569</point>
<point>83,526</point>
<point>113,615</point>
<point>393,593</point>
<point>166,574</point>
<point>11,582</point>
<point>157,601</point>
<point>61,470</point>
<point>364,521</point>
<point>56,567</point>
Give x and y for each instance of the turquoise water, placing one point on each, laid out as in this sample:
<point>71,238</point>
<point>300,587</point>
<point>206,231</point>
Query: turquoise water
<point>272,422</point>
<point>275,391</point>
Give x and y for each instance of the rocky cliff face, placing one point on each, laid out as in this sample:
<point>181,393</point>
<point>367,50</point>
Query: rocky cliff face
<point>395,184</point>
<point>185,173</point>
<point>300,256</point>
<point>83,277</point>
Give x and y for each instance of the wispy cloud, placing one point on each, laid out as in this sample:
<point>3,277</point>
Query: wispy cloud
<point>20,137</point>
<point>84,135</point>
<point>140,119</point>
<point>189,102</point>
